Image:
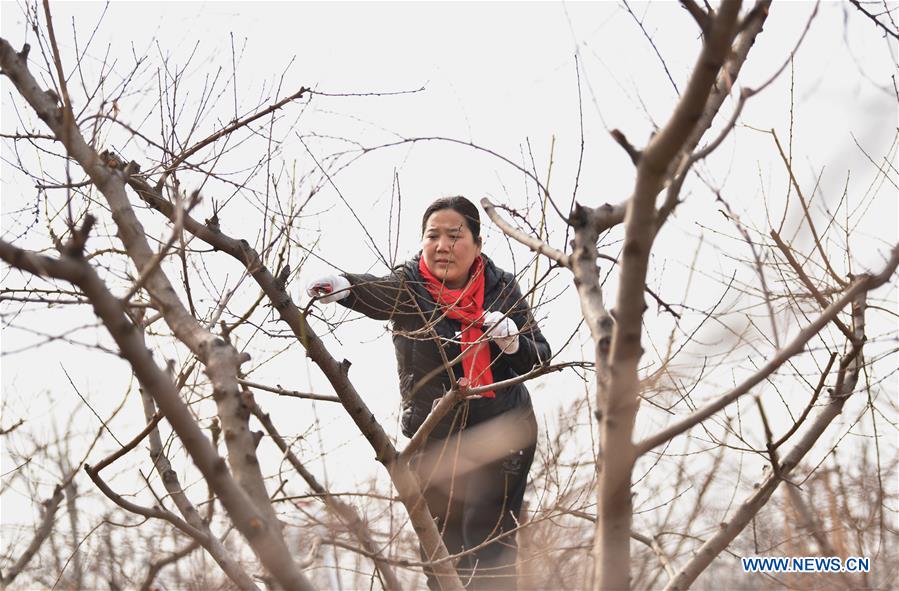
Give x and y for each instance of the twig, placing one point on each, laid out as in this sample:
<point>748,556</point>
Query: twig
<point>537,371</point>
<point>124,449</point>
<point>769,443</point>
<point>283,392</point>
<point>654,545</point>
<point>151,266</point>
<point>88,405</point>
<point>759,269</point>
<point>523,170</point>
<point>12,427</point>
<point>807,214</point>
<point>811,403</point>
<point>800,272</point>
<point>542,229</point>
<point>158,565</point>
<point>861,9</point>
<point>227,329</point>
<point>57,61</point>
<point>654,48</point>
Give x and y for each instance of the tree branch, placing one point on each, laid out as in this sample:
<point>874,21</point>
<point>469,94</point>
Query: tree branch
<point>150,512</point>
<point>701,17</point>
<point>265,540</point>
<point>535,244</point>
<point>225,131</point>
<point>221,359</point>
<point>863,284</point>
<point>750,28</point>
<point>222,556</point>
<point>157,566</point>
<point>336,373</point>
<point>291,393</point>
<point>618,389</point>
<point>751,506</point>
<point>879,24</point>
<point>344,512</point>
<point>50,506</point>
<point>807,282</point>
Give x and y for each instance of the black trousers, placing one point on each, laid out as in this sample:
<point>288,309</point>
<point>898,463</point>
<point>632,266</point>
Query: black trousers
<point>474,502</point>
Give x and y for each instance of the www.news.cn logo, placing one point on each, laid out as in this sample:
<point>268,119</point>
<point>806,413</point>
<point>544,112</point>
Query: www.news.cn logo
<point>805,564</point>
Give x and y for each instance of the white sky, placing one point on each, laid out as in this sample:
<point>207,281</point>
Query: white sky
<point>500,75</point>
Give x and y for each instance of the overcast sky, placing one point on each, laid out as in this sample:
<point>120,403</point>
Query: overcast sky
<point>501,75</point>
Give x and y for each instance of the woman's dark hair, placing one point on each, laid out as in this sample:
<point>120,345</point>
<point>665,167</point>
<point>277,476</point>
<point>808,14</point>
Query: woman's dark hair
<point>460,205</point>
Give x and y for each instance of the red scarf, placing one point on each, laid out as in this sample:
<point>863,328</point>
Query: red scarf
<point>467,306</point>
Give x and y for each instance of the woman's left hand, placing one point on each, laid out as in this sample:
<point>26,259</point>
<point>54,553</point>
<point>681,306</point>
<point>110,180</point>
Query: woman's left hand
<point>502,330</point>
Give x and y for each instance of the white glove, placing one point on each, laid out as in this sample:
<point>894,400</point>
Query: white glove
<point>325,287</point>
<point>502,331</point>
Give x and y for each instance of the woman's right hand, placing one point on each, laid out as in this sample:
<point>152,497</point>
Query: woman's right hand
<point>329,288</point>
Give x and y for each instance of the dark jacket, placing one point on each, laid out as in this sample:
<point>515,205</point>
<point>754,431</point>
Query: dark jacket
<point>402,298</point>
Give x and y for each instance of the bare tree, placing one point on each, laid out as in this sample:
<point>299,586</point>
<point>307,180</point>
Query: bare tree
<point>661,169</point>
<point>651,491</point>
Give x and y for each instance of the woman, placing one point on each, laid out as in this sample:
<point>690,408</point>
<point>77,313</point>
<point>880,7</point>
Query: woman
<point>447,300</point>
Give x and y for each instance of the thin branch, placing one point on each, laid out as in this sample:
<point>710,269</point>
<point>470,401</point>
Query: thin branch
<point>873,17</point>
<point>150,512</point>
<point>811,403</point>
<point>127,447</point>
<point>524,238</point>
<point>57,62</point>
<point>759,268</point>
<point>154,262</point>
<point>654,545</point>
<point>283,392</point>
<point>654,48</point>
<point>12,427</point>
<point>800,272</point>
<point>806,212</point>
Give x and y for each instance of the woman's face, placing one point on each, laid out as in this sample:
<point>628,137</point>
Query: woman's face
<point>449,248</point>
